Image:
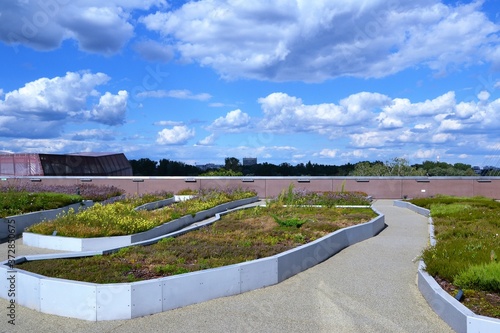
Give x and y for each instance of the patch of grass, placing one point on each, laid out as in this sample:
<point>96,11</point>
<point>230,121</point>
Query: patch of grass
<point>467,233</point>
<point>15,203</point>
<point>237,237</point>
<point>480,277</point>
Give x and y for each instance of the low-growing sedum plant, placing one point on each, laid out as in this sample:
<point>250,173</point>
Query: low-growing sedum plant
<point>120,218</point>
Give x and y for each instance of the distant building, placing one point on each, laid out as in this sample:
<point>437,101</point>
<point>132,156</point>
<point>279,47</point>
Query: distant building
<point>247,161</point>
<point>76,164</point>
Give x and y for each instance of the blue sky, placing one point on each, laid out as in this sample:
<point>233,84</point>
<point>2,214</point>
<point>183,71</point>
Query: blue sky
<point>330,82</point>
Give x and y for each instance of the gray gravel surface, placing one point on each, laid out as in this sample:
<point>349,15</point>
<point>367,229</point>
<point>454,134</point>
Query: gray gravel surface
<point>368,287</point>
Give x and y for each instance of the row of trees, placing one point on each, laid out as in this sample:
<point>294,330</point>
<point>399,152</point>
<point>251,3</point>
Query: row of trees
<point>233,167</point>
<point>401,167</point>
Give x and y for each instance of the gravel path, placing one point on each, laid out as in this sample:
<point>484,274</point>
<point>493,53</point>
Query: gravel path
<point>368,287</point>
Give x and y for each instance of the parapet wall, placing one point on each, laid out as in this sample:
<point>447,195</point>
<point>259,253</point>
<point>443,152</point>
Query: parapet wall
<point>377,187</point>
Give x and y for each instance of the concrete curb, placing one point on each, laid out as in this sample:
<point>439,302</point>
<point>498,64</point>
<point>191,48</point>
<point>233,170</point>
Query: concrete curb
<point>96,302</point>
<point>102,243</point>
<point>454,313</point>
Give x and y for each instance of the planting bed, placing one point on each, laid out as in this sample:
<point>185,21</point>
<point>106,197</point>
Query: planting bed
<point>238,237</point>
<point>463,244</point>
<point>464,257</point>
<point>102,243</point>
<point>29,204</point>
<point>134,299</point>
<point>269,240</point>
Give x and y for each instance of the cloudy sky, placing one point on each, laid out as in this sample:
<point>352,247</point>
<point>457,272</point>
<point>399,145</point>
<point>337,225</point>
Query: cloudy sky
<point>326,81</point>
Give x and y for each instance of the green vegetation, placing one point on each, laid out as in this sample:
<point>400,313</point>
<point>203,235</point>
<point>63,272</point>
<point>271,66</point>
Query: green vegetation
<point>187,191</point>
<point>120,218</point>
<point>480,277</point>
<point>222,173</point>
<point>239,236</point>
<point>86,191</point>
<point>292,196</point>
<point>467,233</point>
<point>15,203</point>
<point>232,167</point>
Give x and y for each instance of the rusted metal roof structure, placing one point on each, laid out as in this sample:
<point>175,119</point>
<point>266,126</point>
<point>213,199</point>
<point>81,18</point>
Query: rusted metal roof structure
<point>75,164</point>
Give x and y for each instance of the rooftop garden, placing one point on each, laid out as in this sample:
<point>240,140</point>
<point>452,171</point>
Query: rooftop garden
<point>239,236</point>
<point>466,253</point>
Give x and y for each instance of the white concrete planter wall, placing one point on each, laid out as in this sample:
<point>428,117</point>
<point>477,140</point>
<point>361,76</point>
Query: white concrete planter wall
<point>101,243</point>
<point>454,313</point>
<point>419,210</point>
<point>26,220</point>
<point>156,204</point>
<point>182,197</point>
<point>90,301</point>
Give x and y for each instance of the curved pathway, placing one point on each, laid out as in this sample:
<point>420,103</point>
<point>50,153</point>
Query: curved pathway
<point>368,287</point>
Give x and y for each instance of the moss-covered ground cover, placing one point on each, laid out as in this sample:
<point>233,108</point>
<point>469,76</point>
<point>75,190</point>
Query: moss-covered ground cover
<point>465,256</point>
<point>120,218</point>
<point>238,237</point>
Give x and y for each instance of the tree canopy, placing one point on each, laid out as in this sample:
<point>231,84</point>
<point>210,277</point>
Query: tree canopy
<point>232,167</point>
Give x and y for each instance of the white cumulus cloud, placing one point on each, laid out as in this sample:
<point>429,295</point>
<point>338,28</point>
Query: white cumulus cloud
<point>111,109</point>
<point>284,113</point>
<point>176,135</point>
<point>207,141</point>
<point>99,27</point>
<point>318,40</point>
<point>42,107</point>
<point>234,121</point>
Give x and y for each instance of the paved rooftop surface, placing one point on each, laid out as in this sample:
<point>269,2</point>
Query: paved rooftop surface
<point>367,287</point>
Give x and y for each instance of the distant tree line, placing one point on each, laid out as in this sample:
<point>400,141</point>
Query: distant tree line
<point>401,167</point>
<point>233,167</point>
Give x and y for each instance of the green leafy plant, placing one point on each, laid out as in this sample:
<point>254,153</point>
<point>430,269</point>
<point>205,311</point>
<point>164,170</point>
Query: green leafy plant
<point>289,221</point>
